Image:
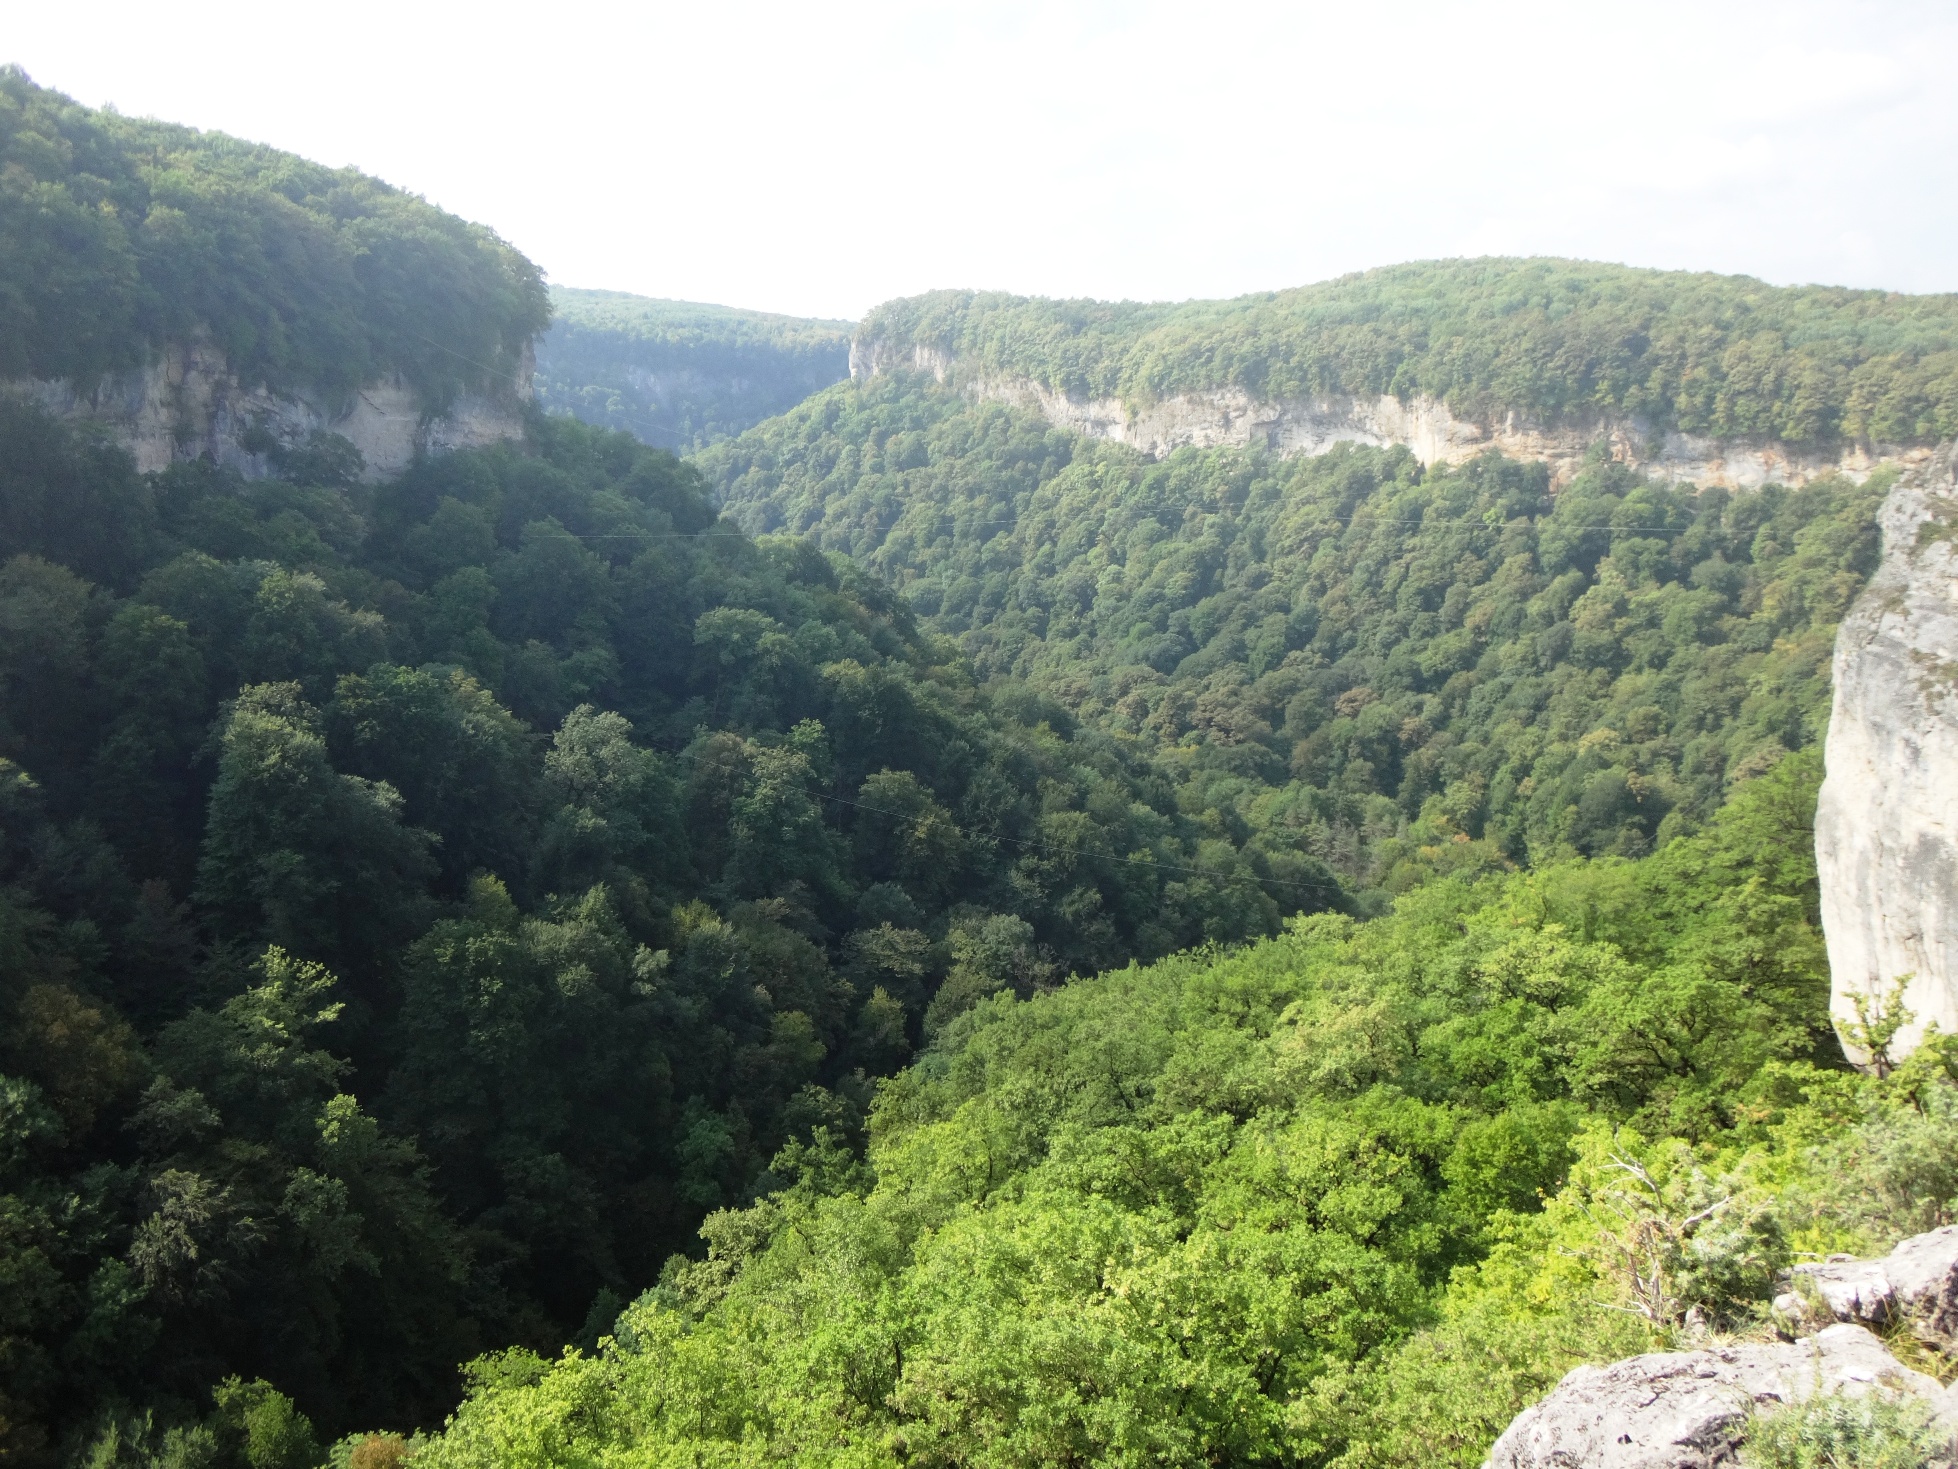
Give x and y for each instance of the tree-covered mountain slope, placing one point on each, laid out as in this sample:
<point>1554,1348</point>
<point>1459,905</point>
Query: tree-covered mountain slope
<point>1384,666</point>
<point>420,903</point>
<point>1542,339</point>
<point>1347,1197</point>
<point>678,374</point>
<point>980,946</point>
<point>120,237</point>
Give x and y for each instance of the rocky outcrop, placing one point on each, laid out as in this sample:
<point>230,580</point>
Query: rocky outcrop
<point>1689,1410</point>
<point>870,356</point>
<point>1886,826</point>
<point>1915,1286</point>
<point>189,405</point>
<point>1221,417</point>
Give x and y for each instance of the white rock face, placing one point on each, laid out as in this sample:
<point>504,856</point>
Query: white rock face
<point>189,405</point>
<point>1688,1410</point>
<point>1886,828</point>
<point>1231,417</point>
<point>1915,1284</point>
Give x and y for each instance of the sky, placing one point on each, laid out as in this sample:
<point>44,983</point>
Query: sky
<point>816,158</point>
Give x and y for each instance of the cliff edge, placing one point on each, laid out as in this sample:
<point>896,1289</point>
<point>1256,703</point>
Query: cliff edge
<point>1687,377</point>
<point>189,404</point>
<point>1231,417</point>
<point>1886,827</point>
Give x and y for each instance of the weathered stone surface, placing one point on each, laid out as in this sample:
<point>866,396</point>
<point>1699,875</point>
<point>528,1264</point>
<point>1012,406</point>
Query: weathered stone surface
<point>189,405</point>
<point>1230,416</point>
<point>1916,1283</point>
<point>1886,826</point>
<point>1688,1410</point>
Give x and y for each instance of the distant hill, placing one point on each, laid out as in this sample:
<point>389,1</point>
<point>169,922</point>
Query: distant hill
<point>1362,649</point>
<point>679,374</point>
<point>1717,379</point>
<point>122,237</point>
<point>1366,625</point>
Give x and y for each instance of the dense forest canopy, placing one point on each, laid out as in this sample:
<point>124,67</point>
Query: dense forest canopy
<point>678,374</point>
<point>421,903</point>
<point>1550,340</point>
<point>913,938</point>
<point>1348,1197</point>
<point>1355,658</point>
<point>120,236</point>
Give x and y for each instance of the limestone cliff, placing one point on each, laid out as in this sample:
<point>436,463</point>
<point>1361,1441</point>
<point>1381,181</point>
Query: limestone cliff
<point>1886,829</point>
<point>188,404</point>
<point>1230,416</point>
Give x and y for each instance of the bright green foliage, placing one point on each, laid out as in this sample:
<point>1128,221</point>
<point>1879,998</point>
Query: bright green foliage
<point>1555,340</point>
<point>421,904</point>
<point>427,907</point>
<point>1870,1432</point>
<point>255,1426</point>
<point>1351,1195</point>
<point>1347,657</point>
<point>269,1432</point>
<point>678,374</point>
<point>120,236</point>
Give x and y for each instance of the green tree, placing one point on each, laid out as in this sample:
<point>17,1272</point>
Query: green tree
<point>297,853</point>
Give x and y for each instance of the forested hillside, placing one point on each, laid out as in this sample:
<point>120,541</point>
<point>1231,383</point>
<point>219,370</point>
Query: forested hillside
<point>1551,340</point>
<point>119,236</point>
<point>1349,1197</point>
<point>912,937</point>
<point>677,374</point>
<point>424,902</point>
<point>1388,668</point>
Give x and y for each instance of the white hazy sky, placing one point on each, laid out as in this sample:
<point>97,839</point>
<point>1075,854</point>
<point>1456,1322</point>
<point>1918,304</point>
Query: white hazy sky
<point>819,157</point>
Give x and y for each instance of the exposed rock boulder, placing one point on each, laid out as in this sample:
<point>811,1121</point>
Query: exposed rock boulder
<point>1886,827</point>
<point>1915,1284</point>
<point>1689,1410</point>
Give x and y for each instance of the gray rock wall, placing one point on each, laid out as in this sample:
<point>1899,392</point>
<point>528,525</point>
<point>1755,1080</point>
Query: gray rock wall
<point>189,405</point>
<point>1886,828</point>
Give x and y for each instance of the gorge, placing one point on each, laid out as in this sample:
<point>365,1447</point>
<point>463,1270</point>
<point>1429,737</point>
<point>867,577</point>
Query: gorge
<point>599,881</point>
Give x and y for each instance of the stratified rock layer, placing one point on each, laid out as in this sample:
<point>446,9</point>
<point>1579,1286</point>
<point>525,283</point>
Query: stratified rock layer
<point>1221,417</point>
<point>1886,829</point>
<point>188,404</point>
